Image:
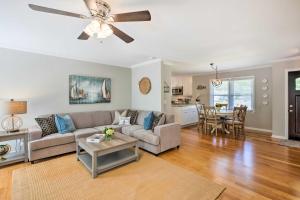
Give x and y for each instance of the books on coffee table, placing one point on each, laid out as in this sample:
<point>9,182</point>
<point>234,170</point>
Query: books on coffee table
<point>96,138</point>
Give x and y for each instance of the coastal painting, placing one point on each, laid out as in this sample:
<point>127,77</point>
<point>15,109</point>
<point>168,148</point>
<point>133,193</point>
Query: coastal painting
<point>89,90</point>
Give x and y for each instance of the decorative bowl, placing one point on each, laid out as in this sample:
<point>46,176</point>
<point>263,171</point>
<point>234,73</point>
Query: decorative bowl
<point>4,149</point>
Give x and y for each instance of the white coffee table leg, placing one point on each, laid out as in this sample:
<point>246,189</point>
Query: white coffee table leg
<point>94,165</point>
<point>137,151</point>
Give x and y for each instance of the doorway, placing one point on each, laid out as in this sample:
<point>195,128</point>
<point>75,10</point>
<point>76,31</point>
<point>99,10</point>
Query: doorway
<point>294,104</point>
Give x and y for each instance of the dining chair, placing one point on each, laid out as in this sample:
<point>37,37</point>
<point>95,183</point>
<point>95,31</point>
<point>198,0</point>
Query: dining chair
<point>211,120</point>
<point>237,122</point>
<point>201,116</point>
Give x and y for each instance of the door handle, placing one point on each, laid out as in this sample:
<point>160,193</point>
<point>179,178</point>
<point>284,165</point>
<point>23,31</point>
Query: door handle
<point>291,111</point>
<point>291,106</point>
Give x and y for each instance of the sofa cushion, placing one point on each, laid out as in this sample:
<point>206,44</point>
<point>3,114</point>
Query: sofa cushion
<point>47,124</point>
<point>52,140</point>
<point>146,136</point>
<point>117,116</point>
<point>101,118</point>
<point>115,127</point>
<point>133,114</point>
<point>148,121</point>
<point>128,130</point>
<point>141,117</point>
<point>64,124</point>
<point>85,132</point>
<point>158,120</point>
<point>82,119</point>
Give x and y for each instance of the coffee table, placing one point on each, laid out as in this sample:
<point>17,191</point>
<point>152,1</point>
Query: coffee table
<point>106,155</point>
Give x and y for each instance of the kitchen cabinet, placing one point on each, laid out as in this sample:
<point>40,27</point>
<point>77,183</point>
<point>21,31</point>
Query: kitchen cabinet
<point>185,115</point>
<point>185,81</point>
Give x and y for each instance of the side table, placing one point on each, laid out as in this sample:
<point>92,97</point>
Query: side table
<point>13,157</point>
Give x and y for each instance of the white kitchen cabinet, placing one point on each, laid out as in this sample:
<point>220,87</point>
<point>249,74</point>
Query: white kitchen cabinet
<point>185,81</point>
<point>187,86</point>
<point>185,115</point>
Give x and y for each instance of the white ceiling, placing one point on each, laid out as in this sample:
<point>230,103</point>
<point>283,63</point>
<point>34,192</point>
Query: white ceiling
<point>188,34</point>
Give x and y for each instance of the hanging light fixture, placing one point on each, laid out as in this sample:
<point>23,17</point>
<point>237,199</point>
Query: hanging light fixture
<point>98,29</point>
<point>215,82</point>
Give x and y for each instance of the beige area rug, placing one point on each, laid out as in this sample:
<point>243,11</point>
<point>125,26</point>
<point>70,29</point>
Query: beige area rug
<point>290,143</point>
<point>149,178</point>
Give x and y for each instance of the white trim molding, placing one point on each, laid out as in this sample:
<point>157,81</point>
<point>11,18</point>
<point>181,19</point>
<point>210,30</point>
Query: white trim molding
<point>258,129</point>
<point>279,137</point>
<point>146,62</point>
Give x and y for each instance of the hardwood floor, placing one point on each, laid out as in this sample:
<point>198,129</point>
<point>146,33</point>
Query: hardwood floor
<point>257,168</point>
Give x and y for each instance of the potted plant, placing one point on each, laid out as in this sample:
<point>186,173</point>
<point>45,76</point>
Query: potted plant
<point>218,107</point>
<point>108,133</point>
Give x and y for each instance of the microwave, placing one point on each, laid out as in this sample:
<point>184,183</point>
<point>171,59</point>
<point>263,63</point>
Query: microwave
<point>177,91</point>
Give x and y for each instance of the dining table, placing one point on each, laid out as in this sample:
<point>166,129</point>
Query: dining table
<point>223,115</point>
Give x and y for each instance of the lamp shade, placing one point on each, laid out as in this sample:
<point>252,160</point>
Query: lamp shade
<point>13,107</point>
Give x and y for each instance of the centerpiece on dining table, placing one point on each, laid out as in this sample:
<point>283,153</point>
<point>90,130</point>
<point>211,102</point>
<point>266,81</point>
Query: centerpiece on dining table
<point>218,107</point>
<point>108,133</point>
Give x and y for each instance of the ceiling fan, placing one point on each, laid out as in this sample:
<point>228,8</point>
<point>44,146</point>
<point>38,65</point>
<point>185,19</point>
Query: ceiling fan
<point>102,20</point>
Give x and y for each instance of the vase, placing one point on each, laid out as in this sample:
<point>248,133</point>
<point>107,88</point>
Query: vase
<point>4,149</point>
<point>108,138</point>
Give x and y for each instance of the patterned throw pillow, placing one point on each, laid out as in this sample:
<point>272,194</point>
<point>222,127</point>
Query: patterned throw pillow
<point>47,125</point>
<point>158,120</point>
<point>133,114</point>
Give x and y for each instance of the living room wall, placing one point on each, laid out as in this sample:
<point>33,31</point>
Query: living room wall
<point>44,82</point>
<point>153,100</point>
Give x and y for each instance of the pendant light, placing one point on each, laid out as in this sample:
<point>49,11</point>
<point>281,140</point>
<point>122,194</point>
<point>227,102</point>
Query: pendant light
<point>215,82</point>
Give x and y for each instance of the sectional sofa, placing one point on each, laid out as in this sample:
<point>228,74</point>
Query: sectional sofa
<point>164,137</point>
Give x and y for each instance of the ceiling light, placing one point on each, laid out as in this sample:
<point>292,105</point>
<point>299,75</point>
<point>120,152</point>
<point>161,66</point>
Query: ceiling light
<point>215,82</point>
<point>98,29</point>
<point>104,31</point>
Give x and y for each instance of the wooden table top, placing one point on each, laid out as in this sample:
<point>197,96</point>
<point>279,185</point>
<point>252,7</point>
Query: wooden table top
<point>118,139</point>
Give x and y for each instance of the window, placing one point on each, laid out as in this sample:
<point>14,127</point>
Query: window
<point>297,83</point>
<point>234,92</point>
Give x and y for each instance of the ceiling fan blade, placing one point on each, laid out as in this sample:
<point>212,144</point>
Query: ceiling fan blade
<point>132,16</point>
<point>83,36</point>
<point>55,11</point>
<point>92,6</point>
<point>120,34</point>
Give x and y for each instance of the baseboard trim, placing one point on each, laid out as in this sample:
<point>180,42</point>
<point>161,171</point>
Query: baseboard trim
<point>258,129</point>
<point>279,137</point>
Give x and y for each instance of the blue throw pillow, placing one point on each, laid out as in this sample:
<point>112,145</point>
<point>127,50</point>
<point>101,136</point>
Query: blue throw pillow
<point>64,124</point>
<point>148,121</point>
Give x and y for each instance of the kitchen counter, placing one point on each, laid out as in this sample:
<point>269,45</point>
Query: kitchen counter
<point>182,105</point>
<point>185,114</point>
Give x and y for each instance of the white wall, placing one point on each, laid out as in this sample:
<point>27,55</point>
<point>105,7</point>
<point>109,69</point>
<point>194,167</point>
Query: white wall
<point>153,100</point>
<point>44,82</point>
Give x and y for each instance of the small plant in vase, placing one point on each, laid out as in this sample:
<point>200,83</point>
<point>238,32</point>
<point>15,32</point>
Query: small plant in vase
<point>218,107</point>
<point>108,133</point>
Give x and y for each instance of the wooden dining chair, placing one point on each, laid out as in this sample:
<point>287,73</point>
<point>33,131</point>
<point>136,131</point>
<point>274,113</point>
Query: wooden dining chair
<point>201,116</point>
<point>237,123</point>
<point>211,120</point>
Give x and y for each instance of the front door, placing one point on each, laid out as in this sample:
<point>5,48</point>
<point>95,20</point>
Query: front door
<point>294,105</point>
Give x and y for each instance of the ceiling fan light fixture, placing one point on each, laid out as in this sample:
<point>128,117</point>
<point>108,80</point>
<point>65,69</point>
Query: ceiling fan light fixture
<point>92,28</point>
<point>104,31</point>
<point>98,29</point>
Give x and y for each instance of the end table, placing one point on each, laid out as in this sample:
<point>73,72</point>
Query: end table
<point>18,156</point>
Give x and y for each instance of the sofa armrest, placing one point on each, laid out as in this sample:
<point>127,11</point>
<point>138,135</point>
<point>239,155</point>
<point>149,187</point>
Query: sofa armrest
<point>169,135</point>
<point>34,133</point>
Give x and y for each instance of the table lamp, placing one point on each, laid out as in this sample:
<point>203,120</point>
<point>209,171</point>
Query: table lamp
<point>12,123</point>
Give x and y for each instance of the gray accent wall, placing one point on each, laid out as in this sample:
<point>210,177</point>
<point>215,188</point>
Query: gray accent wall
<point>44,82</point>
<point>279,76</point>
<point>261,117</point>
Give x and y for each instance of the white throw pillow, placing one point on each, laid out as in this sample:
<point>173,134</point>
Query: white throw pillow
<point>124,120</point>
<point>118,115</point>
